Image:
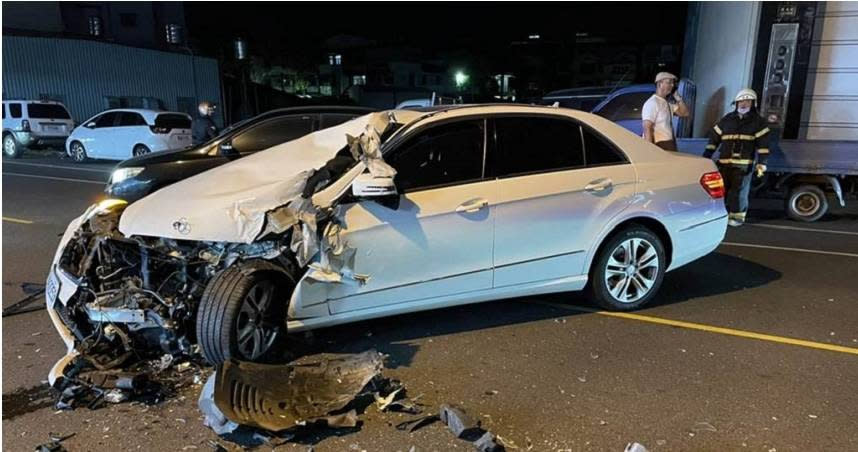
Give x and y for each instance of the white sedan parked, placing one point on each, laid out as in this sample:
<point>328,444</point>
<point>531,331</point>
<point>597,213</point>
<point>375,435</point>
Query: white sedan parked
<point>124,133</point>
<point>487,202</point>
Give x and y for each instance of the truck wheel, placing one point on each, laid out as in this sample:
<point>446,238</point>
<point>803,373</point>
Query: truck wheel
<point>242,313</point>
<point>11,147</point>
<point>628,270</point>
<point>806,203</point>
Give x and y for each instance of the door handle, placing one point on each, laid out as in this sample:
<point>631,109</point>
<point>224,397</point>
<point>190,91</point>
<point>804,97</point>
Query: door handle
<point>472,205</point>
<point>599,185</point>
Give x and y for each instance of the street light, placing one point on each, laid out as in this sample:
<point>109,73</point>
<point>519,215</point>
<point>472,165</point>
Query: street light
<point>461,78</point>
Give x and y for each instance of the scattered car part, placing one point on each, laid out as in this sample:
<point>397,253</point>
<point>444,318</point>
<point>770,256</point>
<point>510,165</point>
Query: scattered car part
<point>278,397</point>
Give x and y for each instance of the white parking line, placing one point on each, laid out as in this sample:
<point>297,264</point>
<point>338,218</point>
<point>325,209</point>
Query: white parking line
<point>45,165</point>
<point>783,248</point>
<point>67,179</point>
<point>794,228</point>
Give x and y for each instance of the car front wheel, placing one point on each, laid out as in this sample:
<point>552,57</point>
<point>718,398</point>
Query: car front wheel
<point>140,150</point>
<point>242,313</point>
<point>629,270</point>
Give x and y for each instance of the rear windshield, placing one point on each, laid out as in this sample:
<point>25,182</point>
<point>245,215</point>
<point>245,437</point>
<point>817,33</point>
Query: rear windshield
<point>52,111</point>
<point>173,121</point>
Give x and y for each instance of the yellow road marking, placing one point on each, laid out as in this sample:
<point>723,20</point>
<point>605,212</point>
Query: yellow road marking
<point>709,328</point>
<point>17,220</point>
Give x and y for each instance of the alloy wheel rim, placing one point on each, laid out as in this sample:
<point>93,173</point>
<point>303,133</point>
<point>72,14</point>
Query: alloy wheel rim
<point>8,146</point>
<point>632,270</point>
<point>78,152</point>
<point>257,329</point>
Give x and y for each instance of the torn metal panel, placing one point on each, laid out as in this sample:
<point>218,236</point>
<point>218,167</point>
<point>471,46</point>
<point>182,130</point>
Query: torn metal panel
<point>229,203</point>
<point>277,397</point>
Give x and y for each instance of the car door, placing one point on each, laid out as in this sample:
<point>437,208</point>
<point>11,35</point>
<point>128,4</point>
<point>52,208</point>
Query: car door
<point>98,140</point>
<point>552,202</point>
<point>130,130</point>
<point>439,241</point>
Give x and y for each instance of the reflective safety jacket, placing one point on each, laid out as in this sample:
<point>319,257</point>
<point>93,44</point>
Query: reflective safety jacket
<point>742,139</point>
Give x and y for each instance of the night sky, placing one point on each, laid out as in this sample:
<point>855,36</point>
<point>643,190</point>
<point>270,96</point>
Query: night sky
<point>295,30</point>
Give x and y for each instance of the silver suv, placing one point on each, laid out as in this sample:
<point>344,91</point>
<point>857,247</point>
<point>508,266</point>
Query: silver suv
<point>34,124</point>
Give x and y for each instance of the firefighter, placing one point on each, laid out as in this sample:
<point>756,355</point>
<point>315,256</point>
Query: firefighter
<point>203,127</point>
<point>744,140</point>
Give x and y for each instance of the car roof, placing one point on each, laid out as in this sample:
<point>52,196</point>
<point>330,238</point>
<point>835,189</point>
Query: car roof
<point>147,113</point>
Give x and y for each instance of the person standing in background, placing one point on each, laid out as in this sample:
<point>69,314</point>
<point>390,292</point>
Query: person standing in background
<point>657,113</point>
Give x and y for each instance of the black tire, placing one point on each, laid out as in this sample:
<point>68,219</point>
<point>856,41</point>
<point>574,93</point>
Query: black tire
<point>225,311</point>
<point>598,285</point>
<point>806,203</point>
<point>11,147</point>
<point>77,152</point>
<point>140,150</point>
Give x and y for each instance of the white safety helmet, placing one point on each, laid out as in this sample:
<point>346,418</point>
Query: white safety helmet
<point>745,94</point>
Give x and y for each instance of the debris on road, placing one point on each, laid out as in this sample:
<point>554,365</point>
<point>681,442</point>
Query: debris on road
<point>55,445</point>
<point>469,429</point>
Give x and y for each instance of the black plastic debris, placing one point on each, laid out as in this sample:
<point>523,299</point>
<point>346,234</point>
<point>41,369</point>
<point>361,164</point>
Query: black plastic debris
<point>413,425</point>
<point>462,425</point>
<point>55,444</point>
<point>467,428</point>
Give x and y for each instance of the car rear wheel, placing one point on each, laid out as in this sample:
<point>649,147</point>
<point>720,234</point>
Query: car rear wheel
<point>628,270</point>
<point>140,150</point>
<point>806,203</point>
<point>242,313</point>
<point>77,152</point>
<point>11,147</point>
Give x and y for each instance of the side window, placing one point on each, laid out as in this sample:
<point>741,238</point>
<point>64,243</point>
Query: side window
<point>15,110</point>
<point>272,133</point>
<point>599,151</point>
<point>441,155</point>
<point>131,119</point>
<point>534,144</point>
<point>332,119</point>
<point>105,120</point>
<point>4,111</point>
<point>625,106</point>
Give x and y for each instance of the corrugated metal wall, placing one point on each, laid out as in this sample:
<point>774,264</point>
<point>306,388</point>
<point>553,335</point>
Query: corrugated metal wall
<point>83,72</point>
<point>832,84</point>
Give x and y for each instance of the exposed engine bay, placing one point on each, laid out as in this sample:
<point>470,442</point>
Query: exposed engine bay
<point>128,300</point>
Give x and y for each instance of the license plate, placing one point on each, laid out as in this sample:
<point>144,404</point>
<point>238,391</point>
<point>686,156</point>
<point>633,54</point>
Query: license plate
<point>53,129</point>
<point>52,288</point>
<point>182,137</point>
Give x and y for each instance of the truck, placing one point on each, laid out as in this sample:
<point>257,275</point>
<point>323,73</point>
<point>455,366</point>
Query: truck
<point>799,58</point>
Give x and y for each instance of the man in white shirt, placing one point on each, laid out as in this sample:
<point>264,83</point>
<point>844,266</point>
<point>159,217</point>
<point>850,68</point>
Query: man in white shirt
<point>657,113</point>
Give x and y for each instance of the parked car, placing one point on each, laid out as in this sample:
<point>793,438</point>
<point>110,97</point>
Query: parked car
<point>583,99</point>
<point>487,202</point>
<point>138,176</point>
<point>123,133</point>
<point>34,124</point>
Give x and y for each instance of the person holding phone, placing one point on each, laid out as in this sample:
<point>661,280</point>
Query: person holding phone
<point>657,113</point>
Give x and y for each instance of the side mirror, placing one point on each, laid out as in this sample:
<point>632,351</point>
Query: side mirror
<point>380,189</point>
<point>226,150</point>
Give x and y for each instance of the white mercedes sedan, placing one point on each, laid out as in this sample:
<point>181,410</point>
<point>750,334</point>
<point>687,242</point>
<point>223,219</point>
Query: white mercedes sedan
<point>389,213</point>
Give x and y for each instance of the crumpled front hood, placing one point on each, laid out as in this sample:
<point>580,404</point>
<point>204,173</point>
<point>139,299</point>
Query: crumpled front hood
<point>228,203</point>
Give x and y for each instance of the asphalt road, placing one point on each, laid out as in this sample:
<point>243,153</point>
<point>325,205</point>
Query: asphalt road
<point>544,373</point>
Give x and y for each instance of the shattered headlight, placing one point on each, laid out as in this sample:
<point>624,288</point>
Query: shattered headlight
<point>121,174</point>
<point>102,208</point>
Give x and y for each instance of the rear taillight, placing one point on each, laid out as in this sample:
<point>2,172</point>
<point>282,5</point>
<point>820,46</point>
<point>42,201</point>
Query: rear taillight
<point>713,184</point>
<point>25,125</point>
<point>155,129</point>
